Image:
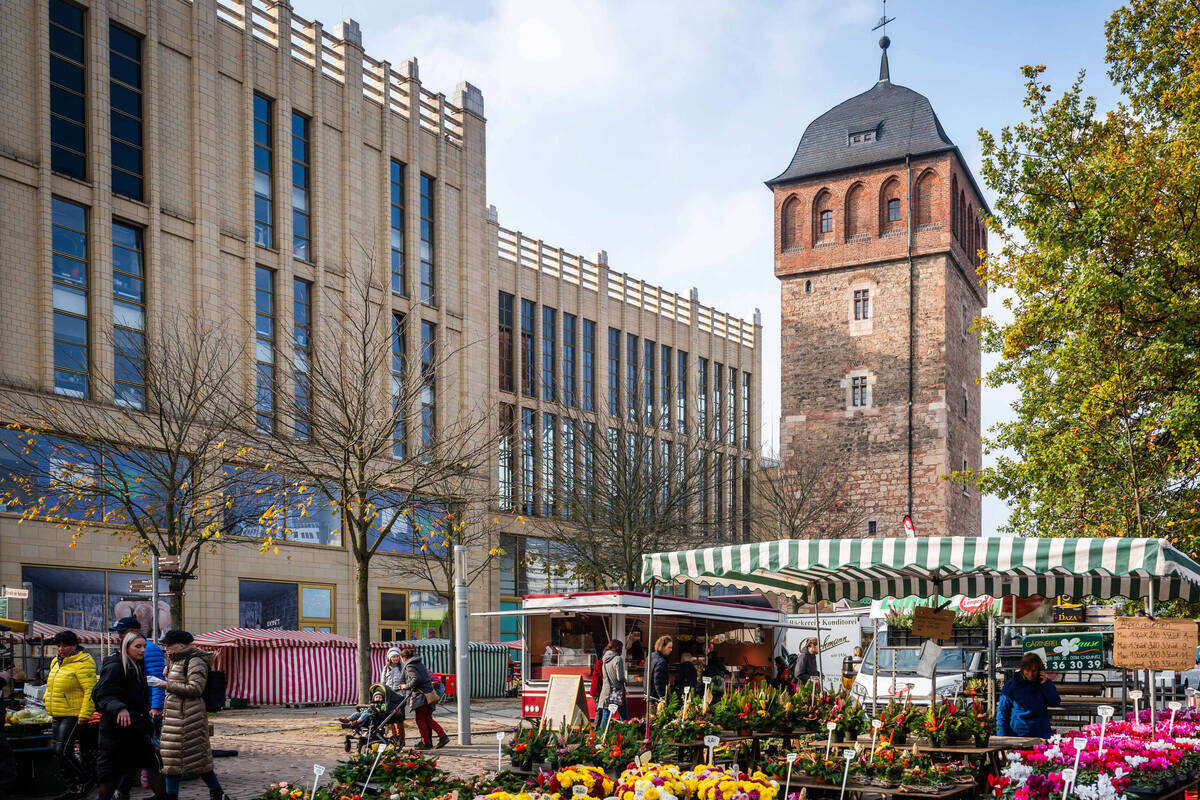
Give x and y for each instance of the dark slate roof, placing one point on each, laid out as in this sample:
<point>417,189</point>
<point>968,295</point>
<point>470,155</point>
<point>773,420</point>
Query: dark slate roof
<point>903,122</point>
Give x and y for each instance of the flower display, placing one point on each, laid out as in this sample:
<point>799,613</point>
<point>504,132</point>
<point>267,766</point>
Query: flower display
<point>715,783</point>
<point>654,782</point>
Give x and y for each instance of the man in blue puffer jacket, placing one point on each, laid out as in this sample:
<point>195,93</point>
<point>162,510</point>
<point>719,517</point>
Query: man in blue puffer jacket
<point>154,662</point>
<point>1022,710</point>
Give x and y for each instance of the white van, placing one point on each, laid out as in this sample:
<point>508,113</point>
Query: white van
<point>954,666</point>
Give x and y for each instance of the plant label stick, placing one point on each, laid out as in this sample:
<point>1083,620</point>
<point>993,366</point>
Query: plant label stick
<point>499,750</point>
<point>711,743</point>
<point>849,755</point>
<point>791,759</point>
<point>829,726</point>
<point>1105,713</point>
<point>1080,743</point>
<point>1174,705</point>
<point>876,724</point>
<point>318,771</point>
<point>1135,696</point>
<point>1068,779</point>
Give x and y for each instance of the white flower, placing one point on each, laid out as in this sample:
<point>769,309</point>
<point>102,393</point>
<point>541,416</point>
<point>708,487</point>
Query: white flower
<point>1135,761</point>
<point>1018,772</point>
<point>1067,646</point>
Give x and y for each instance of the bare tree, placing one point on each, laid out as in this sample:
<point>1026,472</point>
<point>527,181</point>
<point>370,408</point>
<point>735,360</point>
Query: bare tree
<point>364,429</point>
<point>144,460</point>
<point>807,497</point>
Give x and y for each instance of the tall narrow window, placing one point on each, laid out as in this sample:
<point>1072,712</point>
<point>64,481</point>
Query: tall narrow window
<point>129,316</point>
<point>588,466</point>
<point>549,463</point>
<point>528,367</point>
<point>858,391</point>
<point>428,387</point>
<point>747,514</point>
<point>125,111</point>
<point>893,209</point>
<point>702,398</point>
<point>568,359</point>
<point>399,389</point>
<point>667,368</point>
<point>681,383</point>
<point>396,221</point>
<point>632,387</point>
<point>568,466</point>
<point>302,361</point>
<point>862,303</point>
<point>649,354</point>
<point>730,394</point>
<point>264,173</point>
<point>718,427</point>
<point>505,312</point>
<point>719,488</point>
<point>549,352</point>
<point>428,295</point>
<point>68,109</point>
<point>826,222</point>
<point>505,469</point>
<point>589,365</point>
<point>68,237</point>
<point>745,409</point>
<point>264,332</point>
<point>703,486</point>
<point>614,372</point>
<point>301,177</point>
<point>528,451</point>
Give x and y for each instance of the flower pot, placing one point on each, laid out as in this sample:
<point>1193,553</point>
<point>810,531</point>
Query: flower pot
<point>839,736</point>
<point>981,739</point>
<point>900,737</point>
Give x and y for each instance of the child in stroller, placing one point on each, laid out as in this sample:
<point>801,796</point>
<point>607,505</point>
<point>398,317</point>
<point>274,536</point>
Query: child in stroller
<point>380,722</point>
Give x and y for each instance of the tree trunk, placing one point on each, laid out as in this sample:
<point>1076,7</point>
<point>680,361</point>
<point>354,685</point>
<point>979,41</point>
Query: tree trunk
<point>362,609</point>
<point>175,585</point>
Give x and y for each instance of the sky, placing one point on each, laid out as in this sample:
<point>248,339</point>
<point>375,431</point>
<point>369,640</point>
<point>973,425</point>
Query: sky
<point>647,128</point>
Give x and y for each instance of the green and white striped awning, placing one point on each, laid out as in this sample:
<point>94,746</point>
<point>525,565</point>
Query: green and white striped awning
<point>832,569</point>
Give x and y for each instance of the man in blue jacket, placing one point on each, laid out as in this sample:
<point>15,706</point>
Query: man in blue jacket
<point>155,663</point>
<point>1024,700</point>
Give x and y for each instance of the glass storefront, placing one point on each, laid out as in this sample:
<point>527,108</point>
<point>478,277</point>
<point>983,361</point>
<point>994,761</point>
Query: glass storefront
<point>90,599</point>
<point>282,605</point>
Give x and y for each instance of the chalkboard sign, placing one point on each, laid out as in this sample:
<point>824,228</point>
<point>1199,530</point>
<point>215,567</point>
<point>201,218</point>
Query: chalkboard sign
<point>565,702</point>
<point>1143,643</point>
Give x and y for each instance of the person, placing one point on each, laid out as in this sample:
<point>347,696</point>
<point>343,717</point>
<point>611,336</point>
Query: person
<point>635,649</point>
<point>419,687</point>
<point>597,682</point>
<point>612,685</point>
<point>850,667</point>
<point>184,745</point>
<point>1022,710</point>
<point>780,679</point>
<point>715,669</point>
<point>153,664</point>
<point>806,664</point>
<point>392,677</point>
<point>686,674</point>
<point>122,697</point>
<point>68,700</point>
<point>660,669</point>
<point>8,762</point>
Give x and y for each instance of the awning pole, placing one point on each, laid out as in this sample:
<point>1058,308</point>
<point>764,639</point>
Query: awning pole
<point>820,671</point>
<point>991,668</point>
<point>646,668</point>
<point>1150,672</point>
<point>875,666</point>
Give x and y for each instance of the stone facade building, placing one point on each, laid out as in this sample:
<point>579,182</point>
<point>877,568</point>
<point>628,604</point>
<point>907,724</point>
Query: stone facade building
<point>237,161</point>
<point>878,234</point>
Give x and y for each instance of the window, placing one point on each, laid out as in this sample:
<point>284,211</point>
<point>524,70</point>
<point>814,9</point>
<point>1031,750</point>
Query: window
<point>966,490</point>
<point>862,304</point>
<point>427,288</point>
<point>667,366</point>
<point>826,222</point>
<point>631,375</point>
<point>264,173</point>
<point>393,616</point>
<point>549,334</point>
<point>588,437</point>
<point>702,398</point>
<point>858,391</point>
<point>129,316</point>
<point>966,321</point>
<point>528,369</point>
<point>568,358</point>
<point>301,232</point>
<point>505,470</point>
<point>125,111</point>
<point>68,108</point>
<point>788,237</point>
<point>681,376</point>
<point>730,413</point>
<point>808,287</point>
<point>893,209</point>
<point>718,427</point>
<point>871,528</point>
<point>861,137</point>
<point>549,462</point>
<point>589,365</point>
<point>428,388</point>
<point>528,454</point>
<point>396,204</point>
<point>264,333</point>
<point>703,486</point>
<point>280,605</point>
<point>745,409</point>
<point>68,235</point>
<point>965,407</point>
<point>719,487</point>
<point>302,363</point>
<point>649,354</point>
<point>747,514</point>
<point>614,372</point>
<point>86,599</point>
<point>568,464</point>
<point>399,390</point>
<point>505,313</point>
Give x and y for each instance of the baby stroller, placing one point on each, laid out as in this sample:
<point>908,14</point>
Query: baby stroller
<point>382,722</point>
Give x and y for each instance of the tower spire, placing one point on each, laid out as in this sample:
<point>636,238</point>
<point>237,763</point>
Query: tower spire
<point>884,41</point>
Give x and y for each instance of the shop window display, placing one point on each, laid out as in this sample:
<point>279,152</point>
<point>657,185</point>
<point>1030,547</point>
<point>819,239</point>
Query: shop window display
<point>90,599</point>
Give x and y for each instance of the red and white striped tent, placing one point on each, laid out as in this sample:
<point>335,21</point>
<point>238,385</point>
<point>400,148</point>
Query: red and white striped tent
<point>44,630</point>
<point>273,667</point>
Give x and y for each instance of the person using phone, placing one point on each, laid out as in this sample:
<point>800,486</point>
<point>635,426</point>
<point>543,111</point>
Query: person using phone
<point>1025,700</point>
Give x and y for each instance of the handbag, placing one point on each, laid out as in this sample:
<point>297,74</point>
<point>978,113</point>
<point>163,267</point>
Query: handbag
<point>431,698</point>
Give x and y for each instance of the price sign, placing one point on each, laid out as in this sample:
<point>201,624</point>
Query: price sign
<point>1062,652</point>
<point>1141,643</point>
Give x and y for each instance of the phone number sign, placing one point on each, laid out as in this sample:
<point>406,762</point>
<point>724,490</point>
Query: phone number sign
<point>1067,651</point>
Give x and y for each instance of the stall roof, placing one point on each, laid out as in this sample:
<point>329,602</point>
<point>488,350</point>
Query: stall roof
<point>638,603</point>
<point>270,637</point>
<point>831,569</point>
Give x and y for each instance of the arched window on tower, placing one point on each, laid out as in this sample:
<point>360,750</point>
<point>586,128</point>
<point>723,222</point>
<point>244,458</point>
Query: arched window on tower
<point>891,212</point>
<point>788,224</point>
<point>855,215</point>
<point>823,217</point>
<point>962,218</point>
<point>926,188</point>
<point>971,232</point>
<point>954,206</point>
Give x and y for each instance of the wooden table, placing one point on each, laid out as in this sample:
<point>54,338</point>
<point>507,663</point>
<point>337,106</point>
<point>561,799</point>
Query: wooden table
<point>856,790</point>
<point>991,755</point>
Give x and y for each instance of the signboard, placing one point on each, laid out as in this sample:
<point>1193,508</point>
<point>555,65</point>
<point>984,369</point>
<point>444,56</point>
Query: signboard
<point>137,586</point>
<point>927,662</point>
<point>932,623</point>
<point>1061,652</point>
<point>13,593</point>
<point>1144,643</point>
<point>565,702</point>
<point>958,603</point>
<point>909,528</point>
<point>168,563</point>
<point>839,636</point>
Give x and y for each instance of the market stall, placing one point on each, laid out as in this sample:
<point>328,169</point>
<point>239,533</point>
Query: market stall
<point>274,667</point>
<point>489,663</point>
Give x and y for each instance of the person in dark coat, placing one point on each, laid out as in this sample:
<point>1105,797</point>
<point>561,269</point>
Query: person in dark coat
<point>686,674</point>
<point>419,686</point>
<point>1022,710</point>
<point>806,664</point>
<point>660,668</point>
<point>122,697</point>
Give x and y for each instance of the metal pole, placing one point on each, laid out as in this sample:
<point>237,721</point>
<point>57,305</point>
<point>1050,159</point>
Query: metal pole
<point>875,666</point>
<point>991,669</point>
<point>154,597</point>
<point>820,670</point>
<point>462,675</point>
<point>1150,672</point>
<point>646,668</point>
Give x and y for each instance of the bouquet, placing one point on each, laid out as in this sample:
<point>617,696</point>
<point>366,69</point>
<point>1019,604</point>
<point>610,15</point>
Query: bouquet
<point>528,747</point>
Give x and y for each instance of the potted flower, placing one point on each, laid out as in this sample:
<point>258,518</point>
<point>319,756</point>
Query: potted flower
<point>895,718</point>
<point>933,725</point>
<point>979,723</point>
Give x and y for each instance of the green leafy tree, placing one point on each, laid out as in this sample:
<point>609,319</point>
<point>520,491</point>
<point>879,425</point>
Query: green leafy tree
<point>1099,215</point>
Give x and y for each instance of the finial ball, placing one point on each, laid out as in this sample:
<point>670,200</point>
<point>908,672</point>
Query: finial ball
<point>884,42</point>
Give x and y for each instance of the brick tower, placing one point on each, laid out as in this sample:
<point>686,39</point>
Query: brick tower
<point>877,238</point>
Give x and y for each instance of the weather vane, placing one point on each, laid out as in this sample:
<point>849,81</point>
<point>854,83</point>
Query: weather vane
<point>883,21</point>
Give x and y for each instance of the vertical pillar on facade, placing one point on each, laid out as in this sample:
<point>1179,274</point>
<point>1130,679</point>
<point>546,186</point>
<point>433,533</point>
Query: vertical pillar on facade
<point>99,156</point>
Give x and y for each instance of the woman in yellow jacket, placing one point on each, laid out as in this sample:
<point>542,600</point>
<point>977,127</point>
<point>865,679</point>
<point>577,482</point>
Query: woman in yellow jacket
<point>68,700</point>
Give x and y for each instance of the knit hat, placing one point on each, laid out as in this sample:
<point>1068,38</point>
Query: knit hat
<point>176,637</point>
<point>66,637</point>
<point>126,624</point>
